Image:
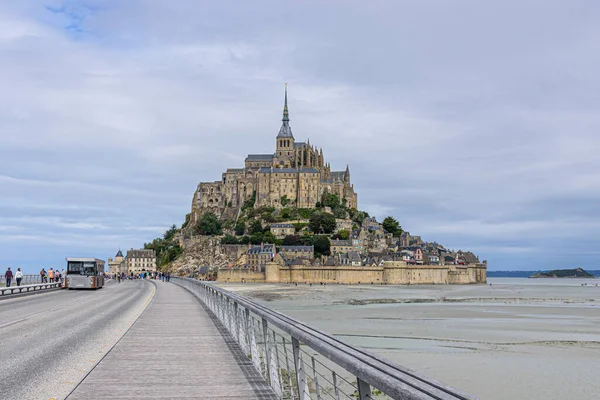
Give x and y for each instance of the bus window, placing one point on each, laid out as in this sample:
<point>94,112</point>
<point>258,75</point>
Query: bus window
<point>89,268</point>
<point>74,267</point>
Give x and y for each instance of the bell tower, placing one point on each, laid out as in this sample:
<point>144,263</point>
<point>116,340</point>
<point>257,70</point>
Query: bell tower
<point>285,139</point>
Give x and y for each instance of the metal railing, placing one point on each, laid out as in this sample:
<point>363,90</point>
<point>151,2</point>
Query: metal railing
<point>28,279</point>
<point>301,362</point>
<point>27,288</point>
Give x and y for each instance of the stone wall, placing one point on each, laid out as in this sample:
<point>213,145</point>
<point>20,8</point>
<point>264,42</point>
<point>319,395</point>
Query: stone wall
<point>391,273</point>
<point>239,275</point>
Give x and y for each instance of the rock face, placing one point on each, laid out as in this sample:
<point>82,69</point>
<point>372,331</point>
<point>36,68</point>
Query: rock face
<point>203,251</point>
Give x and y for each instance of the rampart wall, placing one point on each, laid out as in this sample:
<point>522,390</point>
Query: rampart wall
<point>391,273</point>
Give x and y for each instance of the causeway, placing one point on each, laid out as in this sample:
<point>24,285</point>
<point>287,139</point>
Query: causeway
<point>177,349</point>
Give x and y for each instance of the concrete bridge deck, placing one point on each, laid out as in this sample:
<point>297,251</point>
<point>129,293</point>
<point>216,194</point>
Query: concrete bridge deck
<point>175,350</point>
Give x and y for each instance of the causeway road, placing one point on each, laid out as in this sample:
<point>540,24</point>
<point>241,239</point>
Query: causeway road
<point>50,341</point>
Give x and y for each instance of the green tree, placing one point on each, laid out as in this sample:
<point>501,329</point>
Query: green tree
<point>322,223</point>
<point>256,238</point>
<point>342,234</point>
<point>208,224</point>
<point>171,232</point>
<point>255,227</point>
<point>291,240</point>
<point>392,226</point>
<point>284,200</point>
<point>322,245</point>
<point>330,200</point>
<point>340,212</point>
<point>240,228</point>
<point>307,240</point>
<point>245,240</point>
<point>228,239</point>
<point>268,237</point>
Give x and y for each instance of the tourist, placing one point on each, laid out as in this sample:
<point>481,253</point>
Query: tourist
<point>42,275</point>
<point>51,275</point>
<point>8,276</point>
<point>18,276</point>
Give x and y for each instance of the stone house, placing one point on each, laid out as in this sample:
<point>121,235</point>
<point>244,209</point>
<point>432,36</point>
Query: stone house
<point>294,252</point>
<point>341,246</point>
<point>431,258</point>
<point>258,256</point>
<point>141,260</point>
<point>282,230</point>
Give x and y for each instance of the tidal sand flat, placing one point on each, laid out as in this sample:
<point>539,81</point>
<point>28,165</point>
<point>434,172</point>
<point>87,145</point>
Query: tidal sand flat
<point>514,339</point>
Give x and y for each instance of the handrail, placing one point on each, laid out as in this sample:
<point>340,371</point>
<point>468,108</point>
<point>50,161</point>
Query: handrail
<point>370,370</point>
<point>27,288</point>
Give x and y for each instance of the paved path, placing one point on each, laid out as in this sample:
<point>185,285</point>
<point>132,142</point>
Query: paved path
<point>50,341</point>
<point>175,350</point>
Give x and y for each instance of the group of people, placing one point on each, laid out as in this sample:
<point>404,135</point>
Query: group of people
<point>163,276</point>
<point>45,277</point>
<point>8,276</point>
<point>51,276</point>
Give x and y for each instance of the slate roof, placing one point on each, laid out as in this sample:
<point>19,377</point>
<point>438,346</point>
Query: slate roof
<point>337,175</point>
<point>260,157</point>
<point>309,171</point>
<point>299,144</point>
<point>282,226</point>
<point>235,170</point>
<point>268,170</point>
<point>142,253</point>
<point>337,242</point>
<point>265,249</point>
<point>119,254</point>
<point>297,248</point>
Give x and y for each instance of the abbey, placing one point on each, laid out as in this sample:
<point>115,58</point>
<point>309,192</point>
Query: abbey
<point>296,174</point>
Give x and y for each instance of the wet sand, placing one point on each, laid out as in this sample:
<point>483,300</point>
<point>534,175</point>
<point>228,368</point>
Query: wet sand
<point>518,338</point>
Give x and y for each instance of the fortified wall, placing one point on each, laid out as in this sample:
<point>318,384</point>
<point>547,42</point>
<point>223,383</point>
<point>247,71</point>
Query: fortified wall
<point>390,273</point>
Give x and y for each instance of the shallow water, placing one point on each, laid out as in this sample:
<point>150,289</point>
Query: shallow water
<point>517,338</point>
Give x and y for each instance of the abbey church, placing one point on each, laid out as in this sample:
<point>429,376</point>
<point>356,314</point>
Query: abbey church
<point>296,174</point>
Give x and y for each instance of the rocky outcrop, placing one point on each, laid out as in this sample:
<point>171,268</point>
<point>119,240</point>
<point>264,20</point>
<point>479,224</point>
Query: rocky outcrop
<point>203,251</point>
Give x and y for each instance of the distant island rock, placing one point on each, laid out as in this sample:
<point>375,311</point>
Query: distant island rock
<point>563,273</point>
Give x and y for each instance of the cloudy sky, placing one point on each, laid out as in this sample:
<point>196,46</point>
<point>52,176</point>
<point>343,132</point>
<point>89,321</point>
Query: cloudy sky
<point>475,123</point>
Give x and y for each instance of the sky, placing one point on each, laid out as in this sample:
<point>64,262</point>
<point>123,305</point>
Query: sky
<point>474,123</point>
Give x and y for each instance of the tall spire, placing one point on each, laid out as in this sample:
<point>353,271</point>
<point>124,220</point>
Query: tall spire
<point>286,130</point>
<point>286,116</point>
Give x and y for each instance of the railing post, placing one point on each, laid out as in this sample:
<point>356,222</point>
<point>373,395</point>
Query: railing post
<point>316,377</point>
<point>267,350</point>
<point>364,390</point>
<point>247,331</point>
<point>276,366</point>
<point>335,386</point>
<point>289,371</point>
<point>237,325</point>
<point>303,392</point>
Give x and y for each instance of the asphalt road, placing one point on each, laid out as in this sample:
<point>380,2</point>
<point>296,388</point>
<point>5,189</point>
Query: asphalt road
<point>49,342</point>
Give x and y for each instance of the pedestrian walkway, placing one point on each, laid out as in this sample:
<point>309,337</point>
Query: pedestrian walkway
<point>175,350</point>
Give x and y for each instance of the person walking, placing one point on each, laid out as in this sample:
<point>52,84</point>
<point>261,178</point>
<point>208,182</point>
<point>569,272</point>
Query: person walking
<point>42,274</point>
<point>8,276</point>
<point>18,276</point>
<point>50,275</point>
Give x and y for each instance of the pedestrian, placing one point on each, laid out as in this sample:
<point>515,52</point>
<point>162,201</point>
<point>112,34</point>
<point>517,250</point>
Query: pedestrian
<point>8,276</point>
<point>51,275</point>
<point>42,274</point>
<point>18,276</point>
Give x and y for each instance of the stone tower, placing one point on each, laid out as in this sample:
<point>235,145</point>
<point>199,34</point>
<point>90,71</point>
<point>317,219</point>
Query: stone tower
<point>285,140</point>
